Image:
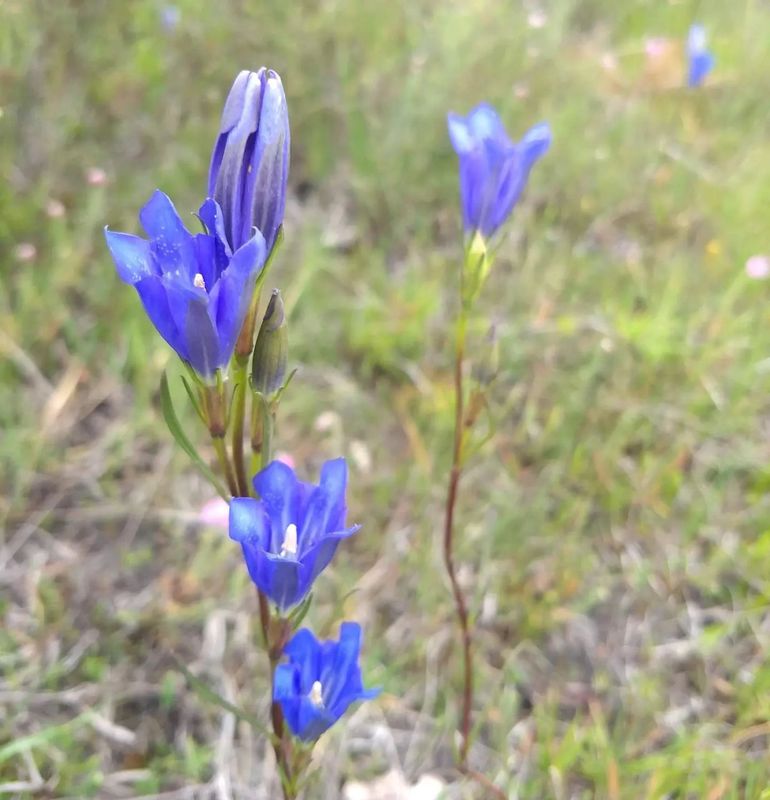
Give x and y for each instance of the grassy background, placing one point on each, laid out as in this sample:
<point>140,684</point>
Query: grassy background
<point>616,527</point>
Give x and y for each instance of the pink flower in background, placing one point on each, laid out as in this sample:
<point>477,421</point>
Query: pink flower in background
<point>55,209</point>
<point>609,62</point>
<point>25,251</point>
<point>758,267</point>
<point>96,176</point>
<point>216,512</point>
<point>285,458</point>
<point>655,47</point>
<point>537,19</point>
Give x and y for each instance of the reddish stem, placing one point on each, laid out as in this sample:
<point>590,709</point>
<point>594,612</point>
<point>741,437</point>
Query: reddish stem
<point>461,606</point>
<point>274,650</point>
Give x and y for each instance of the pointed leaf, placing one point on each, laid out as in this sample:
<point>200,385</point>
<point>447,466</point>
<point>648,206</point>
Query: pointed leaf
<point>175,427</point>
<point>207,693</point>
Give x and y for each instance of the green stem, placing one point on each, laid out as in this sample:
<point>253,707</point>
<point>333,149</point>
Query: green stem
<point>239,414</point>
<point>267,623</point>
<point>461,606</point>
<point>224,464</point>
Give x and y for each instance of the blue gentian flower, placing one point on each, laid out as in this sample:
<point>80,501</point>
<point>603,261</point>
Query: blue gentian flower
<point>699,60</point>
<point>493,169</point>
<point>195,290</point>
<point>250,162</point>
<point>290,534</point>
<point>320,681</point>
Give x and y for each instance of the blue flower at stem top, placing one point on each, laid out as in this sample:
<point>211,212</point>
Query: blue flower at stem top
<point>699,60</point>
<point>250,161</point>
<point>493,169</point>
<point>291,533</point>
<point>320,681</point>
<point>195,290</point>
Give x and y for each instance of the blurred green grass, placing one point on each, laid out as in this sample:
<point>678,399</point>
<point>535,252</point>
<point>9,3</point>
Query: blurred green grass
<point>617,520</point>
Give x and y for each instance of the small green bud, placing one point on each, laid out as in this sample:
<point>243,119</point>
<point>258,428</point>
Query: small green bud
<point>271,352</point>
<point>478,262</point>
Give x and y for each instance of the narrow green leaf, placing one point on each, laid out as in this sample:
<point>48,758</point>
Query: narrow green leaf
<point>208,694</point>
<point>175,427</point>
<point>298,614</point>
<point>39,738</point>
<point>193,399</point>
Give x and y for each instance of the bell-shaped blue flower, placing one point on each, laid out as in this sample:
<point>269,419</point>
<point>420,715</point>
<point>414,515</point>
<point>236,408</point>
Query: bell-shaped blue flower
<point>291,533</point>
<point>493,169</point>
<point>195,290</point>
<point>320,681</point>
<point>699,60</point>
<point>250,161</point>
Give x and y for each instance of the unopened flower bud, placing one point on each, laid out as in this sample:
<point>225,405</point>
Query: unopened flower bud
<point>250,161</point>
<point>271,352</point>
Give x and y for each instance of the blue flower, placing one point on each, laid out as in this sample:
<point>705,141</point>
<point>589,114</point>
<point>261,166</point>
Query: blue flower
<point>250,161</point>
<point>290,534</point>
<point>493,169</point>
<point>194,289</point>
<point>320,681</point>
<point>699,60</point>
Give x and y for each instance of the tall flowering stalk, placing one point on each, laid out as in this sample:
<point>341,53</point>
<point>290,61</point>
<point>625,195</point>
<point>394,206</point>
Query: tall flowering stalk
<point>493,173</point>
<point>202,293</point>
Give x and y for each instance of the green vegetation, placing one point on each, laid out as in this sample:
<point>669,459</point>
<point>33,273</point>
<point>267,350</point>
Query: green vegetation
<point>616,526</point>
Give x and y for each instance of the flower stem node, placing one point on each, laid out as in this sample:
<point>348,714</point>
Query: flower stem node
<point>271,352</point>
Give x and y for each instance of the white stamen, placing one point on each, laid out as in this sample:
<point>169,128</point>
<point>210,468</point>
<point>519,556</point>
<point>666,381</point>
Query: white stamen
<point>289,546</point>
<point>316,694</point>
<point>198,281</point>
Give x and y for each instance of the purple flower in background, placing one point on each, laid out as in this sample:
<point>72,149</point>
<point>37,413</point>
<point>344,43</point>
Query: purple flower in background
<point>195,290</point>
<point>699,60</point>
<point>320,681</point>
<point>170,17</point>
<point>493,169</point>
<point>290,534</point>
<point>250,161</point>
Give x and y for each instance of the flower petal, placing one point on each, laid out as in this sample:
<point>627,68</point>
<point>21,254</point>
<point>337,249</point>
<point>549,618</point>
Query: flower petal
<point>325,510</point>
<point>154,297</point>
<point>170,241</point>
<point>317,556</point>
<point>131,255</point>
<point>535,144</point>
<point>264,193</point>
<point>305,651</point>
<point>484,123</point>
<point>281,493</point>
<point>231,296</point>
<point>247,520</point>
<point>190,310</point>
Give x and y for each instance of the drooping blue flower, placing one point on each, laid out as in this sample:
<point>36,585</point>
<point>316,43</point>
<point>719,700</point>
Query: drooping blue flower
<point>493,169</point>
<point>195,290</point>
<point>250,161</point>
<point>320,681</point>
<point>290,534</point>
<point>700,61</point>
